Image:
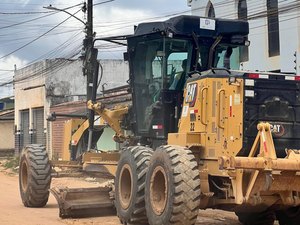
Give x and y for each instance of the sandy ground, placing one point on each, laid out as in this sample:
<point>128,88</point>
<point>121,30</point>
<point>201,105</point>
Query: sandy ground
<point>14,213</point>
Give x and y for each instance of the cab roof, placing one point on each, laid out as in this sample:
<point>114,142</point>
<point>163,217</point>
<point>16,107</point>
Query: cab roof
<point>201,26</point>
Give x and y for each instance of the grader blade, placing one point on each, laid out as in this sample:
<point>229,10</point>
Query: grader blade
<point>84,202</point>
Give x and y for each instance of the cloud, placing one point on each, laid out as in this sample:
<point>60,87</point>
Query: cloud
<point>7,65</point>
<point>6,74</point>
<point>118,21</point>
<point>113,18</point>
<point>9,62</point>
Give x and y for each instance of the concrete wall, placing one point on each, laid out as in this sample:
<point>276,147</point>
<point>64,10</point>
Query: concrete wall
<point>289,26</point>
<point>115,73</point>
<point>6,135</point>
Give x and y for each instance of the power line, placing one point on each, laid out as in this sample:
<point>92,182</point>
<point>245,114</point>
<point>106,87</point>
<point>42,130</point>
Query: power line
<point>37,18</point>
<point>6,70</point>
<point>22,13</point>
<point>100,3</point>
<point>35,39</point>
<point>27,21</point>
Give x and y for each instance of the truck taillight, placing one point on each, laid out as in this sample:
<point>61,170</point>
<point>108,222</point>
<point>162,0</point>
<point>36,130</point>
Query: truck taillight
<point>253,75</point>
<point>296,78</point>
<point>257,75</point>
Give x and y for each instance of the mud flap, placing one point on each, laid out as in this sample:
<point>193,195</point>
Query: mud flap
<point>84,202</point>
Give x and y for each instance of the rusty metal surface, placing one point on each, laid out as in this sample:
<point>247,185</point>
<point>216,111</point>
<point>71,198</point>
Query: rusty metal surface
<point>84,202</point>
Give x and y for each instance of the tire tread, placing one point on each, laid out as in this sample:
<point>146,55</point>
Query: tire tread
<point>39,176</point>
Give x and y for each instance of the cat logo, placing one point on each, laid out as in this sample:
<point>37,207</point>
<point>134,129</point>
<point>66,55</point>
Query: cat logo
<point>191,94</point>
<point>277,130</point>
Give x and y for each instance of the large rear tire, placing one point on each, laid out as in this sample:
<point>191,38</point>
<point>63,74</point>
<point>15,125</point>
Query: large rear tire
<point>289,216</point>
<point>172,187</point>
<point>130,185</point>
<point>34,176</point>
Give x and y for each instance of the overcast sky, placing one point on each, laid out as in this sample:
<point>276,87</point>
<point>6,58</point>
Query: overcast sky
<point>26,21</point>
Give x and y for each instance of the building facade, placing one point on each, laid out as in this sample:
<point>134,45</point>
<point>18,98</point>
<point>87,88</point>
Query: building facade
<point>274,31</point>
<point>45,84</point>
<point>6,132</point>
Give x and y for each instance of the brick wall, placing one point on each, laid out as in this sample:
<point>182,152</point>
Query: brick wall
<point>58,125</point>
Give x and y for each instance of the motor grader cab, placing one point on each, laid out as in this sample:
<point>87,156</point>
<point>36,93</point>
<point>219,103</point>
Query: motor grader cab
<point>163,55</point>
<point>204,134</point>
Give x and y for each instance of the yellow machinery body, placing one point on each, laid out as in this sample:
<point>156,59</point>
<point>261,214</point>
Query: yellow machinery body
<point>211,125</point>
<point>208,138</point>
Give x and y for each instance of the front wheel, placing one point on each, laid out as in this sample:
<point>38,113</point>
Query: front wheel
<point>172,187</point>
<point>130,184</point>
<point>34,176</point>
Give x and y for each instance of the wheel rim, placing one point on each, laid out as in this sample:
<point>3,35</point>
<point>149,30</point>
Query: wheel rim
<point>125,184</point>
<point>158,190</point>
<point>24,176</point>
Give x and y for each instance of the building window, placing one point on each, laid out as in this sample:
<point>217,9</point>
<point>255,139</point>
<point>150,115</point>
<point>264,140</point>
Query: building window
<point>243,15</point>
<point>211,10</point>
<point>273,27</point>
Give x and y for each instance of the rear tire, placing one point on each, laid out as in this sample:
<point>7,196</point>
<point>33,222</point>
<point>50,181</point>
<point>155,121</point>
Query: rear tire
<point>172,187</point>
<point>289,216</point>
<point>130,185</point>
<point>34,176</point>
<point>262,218</point>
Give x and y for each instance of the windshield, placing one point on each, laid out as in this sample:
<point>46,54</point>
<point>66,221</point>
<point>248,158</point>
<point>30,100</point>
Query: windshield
<point>157,64</point>
<point>227,57</point>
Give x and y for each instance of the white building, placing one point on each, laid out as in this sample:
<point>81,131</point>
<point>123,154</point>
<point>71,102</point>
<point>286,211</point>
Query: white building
<point>274,30</point>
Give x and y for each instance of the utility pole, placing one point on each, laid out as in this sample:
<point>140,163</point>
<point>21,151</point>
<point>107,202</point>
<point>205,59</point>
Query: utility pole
<point>90,68</point>
<point>90,63</point>
<point>89,57</point>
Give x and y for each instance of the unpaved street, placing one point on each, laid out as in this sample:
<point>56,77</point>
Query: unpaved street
<point>13,212</point>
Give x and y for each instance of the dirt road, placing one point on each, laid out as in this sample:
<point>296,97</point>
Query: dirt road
<point>13,212</point>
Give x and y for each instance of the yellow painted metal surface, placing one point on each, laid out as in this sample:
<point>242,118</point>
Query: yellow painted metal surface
<point>70,127</point>
<point>111,117</point>
<point>254,176</point>
<point>212,111</point>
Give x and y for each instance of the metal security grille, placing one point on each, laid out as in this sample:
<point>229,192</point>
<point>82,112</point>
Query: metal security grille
<point>38,126</point>
<point>25,137</point>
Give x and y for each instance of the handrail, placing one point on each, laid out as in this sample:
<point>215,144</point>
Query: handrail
<point>219,123</point>
<point>202,106</point>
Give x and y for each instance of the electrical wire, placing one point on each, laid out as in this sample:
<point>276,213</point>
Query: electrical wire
<point>35,39</point>
<point>22,13</point>
<point>38,18</point>
<point>258,13</point>
<point>101,3</point>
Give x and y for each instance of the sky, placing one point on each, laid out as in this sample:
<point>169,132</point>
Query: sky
<point>30,33</point>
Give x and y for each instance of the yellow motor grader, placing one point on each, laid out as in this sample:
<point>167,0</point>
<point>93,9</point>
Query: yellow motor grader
<point>199,134</point>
